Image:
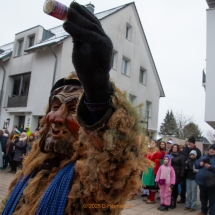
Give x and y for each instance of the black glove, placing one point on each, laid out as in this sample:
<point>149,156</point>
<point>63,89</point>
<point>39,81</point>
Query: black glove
<point>92,52</point>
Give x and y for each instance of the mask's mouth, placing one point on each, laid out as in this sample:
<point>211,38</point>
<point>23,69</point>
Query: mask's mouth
<point>58,133</point>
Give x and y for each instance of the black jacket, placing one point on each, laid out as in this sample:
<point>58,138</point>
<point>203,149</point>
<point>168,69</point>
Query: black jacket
<point>20,150</point>
<point>186,152</point>
<point>177,163</point>
<point>3,141</point>
<point>190,164</point>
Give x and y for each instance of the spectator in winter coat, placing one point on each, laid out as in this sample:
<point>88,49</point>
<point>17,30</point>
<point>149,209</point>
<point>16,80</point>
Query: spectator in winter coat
<point>1,158</point>
<point>189,146</point>
<point>206,166</point>
<point>166,179</point>
<point>178,165</point>
<point>190,182</point>
<point>20,150</point>
<point>148,179</point>
<point>30,142</point>
<point>3,141</point>
<point>7,148</point>
<point>11,153</point>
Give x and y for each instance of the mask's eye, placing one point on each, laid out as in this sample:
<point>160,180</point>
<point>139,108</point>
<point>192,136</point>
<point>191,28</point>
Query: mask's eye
<point>55,106</point>
<point>72,109</point>
<point>72,106</point>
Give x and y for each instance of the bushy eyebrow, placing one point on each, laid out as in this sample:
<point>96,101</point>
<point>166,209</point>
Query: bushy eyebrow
<point>71,99</point>
<point>55,98</point>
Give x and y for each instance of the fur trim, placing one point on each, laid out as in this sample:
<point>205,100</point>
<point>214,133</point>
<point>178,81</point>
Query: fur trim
<point>109,162</point>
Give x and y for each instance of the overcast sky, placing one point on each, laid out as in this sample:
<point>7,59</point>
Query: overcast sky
<point>176,33</point>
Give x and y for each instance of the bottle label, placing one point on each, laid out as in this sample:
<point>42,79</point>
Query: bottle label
<point>60,10</point>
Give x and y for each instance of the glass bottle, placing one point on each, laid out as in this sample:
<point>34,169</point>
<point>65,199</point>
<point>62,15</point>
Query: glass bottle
<point>55,9</point>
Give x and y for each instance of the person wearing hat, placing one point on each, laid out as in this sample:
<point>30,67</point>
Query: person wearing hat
<point>169,144</point>
<point>190,182</point>
<point>190,145</point>
<point>206,166</point>
<point>91,151</point>
<point>3,141</point>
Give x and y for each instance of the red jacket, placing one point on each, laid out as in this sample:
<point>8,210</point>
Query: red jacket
<point>156,157</point>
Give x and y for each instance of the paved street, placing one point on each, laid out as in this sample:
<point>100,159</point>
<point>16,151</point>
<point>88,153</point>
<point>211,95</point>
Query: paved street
<point>134,207</point>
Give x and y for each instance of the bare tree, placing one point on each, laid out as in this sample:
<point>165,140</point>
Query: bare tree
<point>211,136</point>
<point>182,120</point>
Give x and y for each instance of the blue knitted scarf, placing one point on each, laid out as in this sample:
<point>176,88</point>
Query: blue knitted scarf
<point>55,197</point>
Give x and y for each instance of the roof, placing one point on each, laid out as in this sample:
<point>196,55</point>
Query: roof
<point>211,3</point>
<point>61,34</point>
<point>204,140</point>
<point>158,80</point>
<point>6,51</point>
<point>106,13</point>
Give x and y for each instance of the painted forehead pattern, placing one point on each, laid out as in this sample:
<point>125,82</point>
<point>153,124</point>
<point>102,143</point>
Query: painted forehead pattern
<point>67,93</point>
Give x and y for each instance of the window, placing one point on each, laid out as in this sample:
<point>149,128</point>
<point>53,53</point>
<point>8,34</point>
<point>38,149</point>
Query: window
<point>142,76</point>
<point>128,32</point>
<point>21,84</point>
<point>19,46</point>
<point>114,60</point>
<point>148,109</point>
<point>132,99</point>
<point>31,40</point>
<point>21,121</point>
<point>125,66</point>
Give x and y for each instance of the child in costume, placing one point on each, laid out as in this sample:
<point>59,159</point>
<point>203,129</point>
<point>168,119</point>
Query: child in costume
<point>166,179</point>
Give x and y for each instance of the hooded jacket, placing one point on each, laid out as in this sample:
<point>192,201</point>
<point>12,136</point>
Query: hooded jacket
<point>190,166</point>
<point>171,170</point>
<point>203,171</point>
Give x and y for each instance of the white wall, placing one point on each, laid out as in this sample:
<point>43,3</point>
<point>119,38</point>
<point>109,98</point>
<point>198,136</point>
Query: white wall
<point>210,69</point>
<point>137,51</point>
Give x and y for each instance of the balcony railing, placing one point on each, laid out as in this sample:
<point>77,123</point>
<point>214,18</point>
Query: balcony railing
<point>17,101</point>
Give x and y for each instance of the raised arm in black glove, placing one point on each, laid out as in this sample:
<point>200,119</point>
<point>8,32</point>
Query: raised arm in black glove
<point>92,52</point>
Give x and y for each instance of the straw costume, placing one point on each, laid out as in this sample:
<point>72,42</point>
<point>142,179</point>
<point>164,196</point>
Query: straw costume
<point>91,151</point>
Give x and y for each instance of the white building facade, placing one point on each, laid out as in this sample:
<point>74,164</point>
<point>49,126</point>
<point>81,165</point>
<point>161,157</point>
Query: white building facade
<point>38,58</point>
<point>210,65</point>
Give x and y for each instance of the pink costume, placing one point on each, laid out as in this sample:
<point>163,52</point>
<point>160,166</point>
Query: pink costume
<point>167,173</point>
